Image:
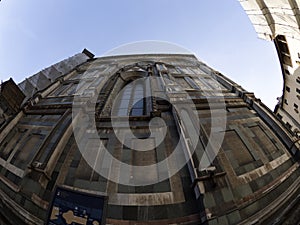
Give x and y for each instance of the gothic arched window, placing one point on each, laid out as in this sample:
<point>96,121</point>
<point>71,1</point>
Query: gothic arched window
<point>133,100</point>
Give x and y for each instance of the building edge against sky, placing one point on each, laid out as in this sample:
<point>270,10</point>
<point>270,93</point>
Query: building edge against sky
<point>279,21</point>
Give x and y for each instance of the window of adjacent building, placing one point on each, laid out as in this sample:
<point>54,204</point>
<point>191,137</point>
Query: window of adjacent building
<point>288,125</point>
<point>287,72</point>
<point>287,89</point>
<point>285,102</point>
<point>279,116</point>
<point>298,90</point>
<point>298,80</point>
<point>295,105</point>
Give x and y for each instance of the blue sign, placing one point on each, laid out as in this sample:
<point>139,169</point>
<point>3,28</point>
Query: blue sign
<point>69,207</point>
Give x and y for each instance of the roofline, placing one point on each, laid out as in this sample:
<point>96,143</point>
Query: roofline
<point>145,55</point>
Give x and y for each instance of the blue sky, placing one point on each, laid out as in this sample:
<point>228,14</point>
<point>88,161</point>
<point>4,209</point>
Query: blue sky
<point>36,34</point>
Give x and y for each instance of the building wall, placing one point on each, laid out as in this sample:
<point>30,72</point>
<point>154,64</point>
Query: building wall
<point>253,176</point>
<point>288,105</point>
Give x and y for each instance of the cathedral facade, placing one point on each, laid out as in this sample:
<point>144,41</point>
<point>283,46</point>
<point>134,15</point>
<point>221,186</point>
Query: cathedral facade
<point>142,139</point>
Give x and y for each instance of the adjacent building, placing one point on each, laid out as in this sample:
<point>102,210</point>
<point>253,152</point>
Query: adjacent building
<point>279,21</point>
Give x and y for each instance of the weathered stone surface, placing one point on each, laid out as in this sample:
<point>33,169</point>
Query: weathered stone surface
<point>252,175</point>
